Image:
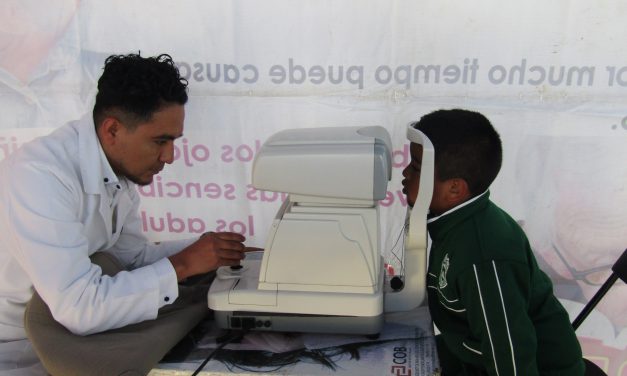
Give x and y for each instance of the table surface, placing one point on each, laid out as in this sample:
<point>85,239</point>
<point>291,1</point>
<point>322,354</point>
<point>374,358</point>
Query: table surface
<point>405,347</point>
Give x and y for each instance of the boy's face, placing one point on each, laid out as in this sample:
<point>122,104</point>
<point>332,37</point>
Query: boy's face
<point>411,183</point>
<point>411,173</point>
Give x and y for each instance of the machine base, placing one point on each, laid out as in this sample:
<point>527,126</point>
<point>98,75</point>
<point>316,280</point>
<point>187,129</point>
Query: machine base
<point>285,322</point>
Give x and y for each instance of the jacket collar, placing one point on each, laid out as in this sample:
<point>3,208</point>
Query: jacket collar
<point>440,225</point>
<point>96,171</point>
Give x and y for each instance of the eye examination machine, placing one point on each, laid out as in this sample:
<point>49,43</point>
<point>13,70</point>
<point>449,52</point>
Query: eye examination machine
<point>322,268</point>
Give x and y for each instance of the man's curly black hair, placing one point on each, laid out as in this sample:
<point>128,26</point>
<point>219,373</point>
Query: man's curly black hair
<point>135,87</point>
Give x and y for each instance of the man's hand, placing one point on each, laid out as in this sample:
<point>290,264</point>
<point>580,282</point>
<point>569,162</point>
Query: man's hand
<point>210,251</point>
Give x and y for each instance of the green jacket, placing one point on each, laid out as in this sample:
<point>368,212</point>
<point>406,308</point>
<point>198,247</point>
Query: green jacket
<point>494,307</point>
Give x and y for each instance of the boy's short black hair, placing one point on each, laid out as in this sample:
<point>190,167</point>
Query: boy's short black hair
<point>136,87</point>
<point>466,146</point>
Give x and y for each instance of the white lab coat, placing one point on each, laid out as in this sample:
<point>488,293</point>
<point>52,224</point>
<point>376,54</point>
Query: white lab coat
<point>58,196</point>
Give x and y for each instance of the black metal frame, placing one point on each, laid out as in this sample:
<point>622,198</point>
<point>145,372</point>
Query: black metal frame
<point>619,270</point>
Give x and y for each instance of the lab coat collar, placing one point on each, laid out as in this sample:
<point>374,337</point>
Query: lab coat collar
<point>96,171</point>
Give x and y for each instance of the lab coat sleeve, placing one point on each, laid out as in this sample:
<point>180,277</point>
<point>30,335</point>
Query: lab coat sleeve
<point>133,248</point>
<point>50,244</point>
<point>496,297</point>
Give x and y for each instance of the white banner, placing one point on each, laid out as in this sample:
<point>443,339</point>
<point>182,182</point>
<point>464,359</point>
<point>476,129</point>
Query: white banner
<point>551,76</point>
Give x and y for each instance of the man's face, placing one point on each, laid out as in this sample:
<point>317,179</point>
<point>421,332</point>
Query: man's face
<point>140,153</point>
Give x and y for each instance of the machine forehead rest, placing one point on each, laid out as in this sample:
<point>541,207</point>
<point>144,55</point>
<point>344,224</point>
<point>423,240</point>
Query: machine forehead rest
<point>334,163</point>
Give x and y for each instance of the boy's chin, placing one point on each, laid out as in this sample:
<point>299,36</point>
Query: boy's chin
<point>409,202</point>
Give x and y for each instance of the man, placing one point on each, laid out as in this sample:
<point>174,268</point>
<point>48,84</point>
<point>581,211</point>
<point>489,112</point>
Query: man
<point>71,231</point>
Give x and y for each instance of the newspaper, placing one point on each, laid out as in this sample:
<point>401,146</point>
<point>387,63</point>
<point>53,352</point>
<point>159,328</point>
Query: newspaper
<point>405,347</point>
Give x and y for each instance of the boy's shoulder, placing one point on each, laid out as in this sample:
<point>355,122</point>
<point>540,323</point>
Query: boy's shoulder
<point>500,236</point>
<point>488,234</point>
<point>494,218</point>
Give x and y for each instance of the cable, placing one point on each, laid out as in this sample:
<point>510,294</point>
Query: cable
<point>239,336</point>
<point>402,234</point>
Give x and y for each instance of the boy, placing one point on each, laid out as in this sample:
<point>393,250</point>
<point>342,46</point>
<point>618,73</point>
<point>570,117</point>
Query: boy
<point>494,307</point>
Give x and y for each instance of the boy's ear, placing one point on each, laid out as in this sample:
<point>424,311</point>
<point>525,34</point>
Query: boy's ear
<point>457,191</point>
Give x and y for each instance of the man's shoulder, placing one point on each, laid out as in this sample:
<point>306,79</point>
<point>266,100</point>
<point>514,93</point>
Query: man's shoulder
<point>51,149</point>
<point>55,153</point>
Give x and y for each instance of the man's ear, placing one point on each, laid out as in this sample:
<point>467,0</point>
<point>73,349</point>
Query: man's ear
<point>108,130</point>
<point>457,191</point>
